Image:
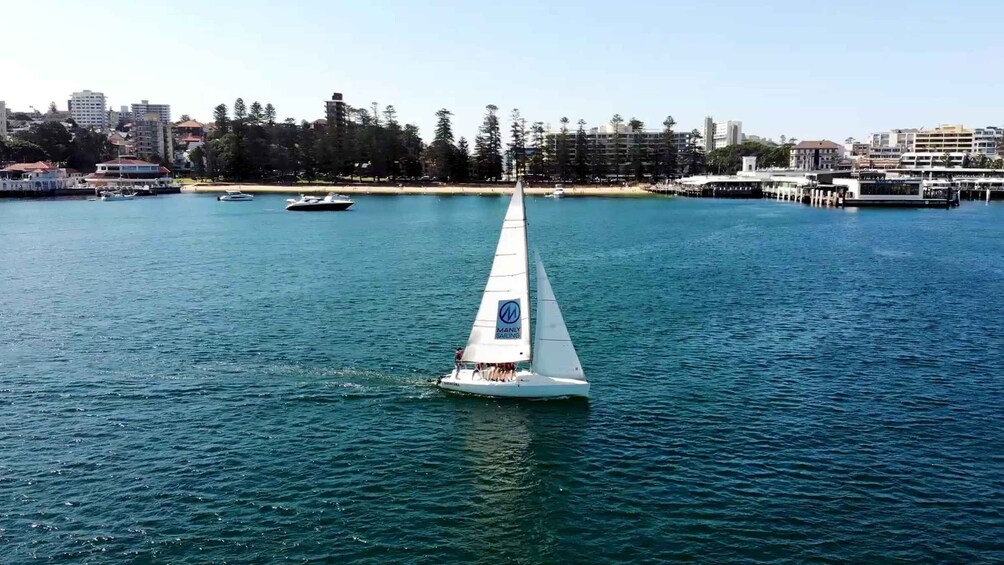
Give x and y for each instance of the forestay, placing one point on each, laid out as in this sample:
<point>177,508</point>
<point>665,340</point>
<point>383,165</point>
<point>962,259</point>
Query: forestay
<point>554,354</point>
<point>501,331</point>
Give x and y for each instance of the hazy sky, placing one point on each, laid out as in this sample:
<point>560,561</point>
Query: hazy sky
<point>804,69</point>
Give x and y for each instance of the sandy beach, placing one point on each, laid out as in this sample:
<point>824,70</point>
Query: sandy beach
<point>441,190</point>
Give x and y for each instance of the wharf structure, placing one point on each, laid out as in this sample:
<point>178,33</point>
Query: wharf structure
<point>894,188</point>
<point>132,175</point>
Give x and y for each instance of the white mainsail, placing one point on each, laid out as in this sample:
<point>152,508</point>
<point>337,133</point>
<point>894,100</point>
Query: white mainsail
<point>501,331</point>
<point>553,352</point>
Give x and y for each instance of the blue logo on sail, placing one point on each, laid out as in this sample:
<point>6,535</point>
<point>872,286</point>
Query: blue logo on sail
<point>507,325</point>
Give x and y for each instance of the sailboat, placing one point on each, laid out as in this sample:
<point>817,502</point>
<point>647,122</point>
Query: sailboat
<point>500,345</point>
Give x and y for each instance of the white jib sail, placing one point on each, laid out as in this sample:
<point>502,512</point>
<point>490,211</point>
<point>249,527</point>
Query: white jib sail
<point>501,331</point>
<point>553,352</point>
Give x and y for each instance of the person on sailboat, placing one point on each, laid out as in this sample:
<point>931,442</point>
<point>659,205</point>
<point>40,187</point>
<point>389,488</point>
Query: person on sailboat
<point>458,357</point>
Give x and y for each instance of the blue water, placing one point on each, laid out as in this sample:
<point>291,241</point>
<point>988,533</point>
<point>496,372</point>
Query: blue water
<point>183,380</point>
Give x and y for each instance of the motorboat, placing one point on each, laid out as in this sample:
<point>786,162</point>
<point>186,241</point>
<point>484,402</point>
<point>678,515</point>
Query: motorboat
<point>331,202</point>
<point>109,196</point>
<point>235,196</point>
<point>559,191</point>
<point>501,358</point>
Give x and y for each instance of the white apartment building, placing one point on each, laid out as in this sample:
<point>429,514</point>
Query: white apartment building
<point>3,119</point>
<point>88,109</point>
<point>904,139</point>
<point>163,111</point>
<point>987,140</point>
<point>721,133</point>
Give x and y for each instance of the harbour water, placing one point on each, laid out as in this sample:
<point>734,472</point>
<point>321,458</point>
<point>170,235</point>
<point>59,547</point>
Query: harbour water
<point>184,380</point>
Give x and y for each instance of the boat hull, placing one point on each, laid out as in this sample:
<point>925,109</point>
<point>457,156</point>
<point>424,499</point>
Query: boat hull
<point>320,207</point>
<point>526,384</point>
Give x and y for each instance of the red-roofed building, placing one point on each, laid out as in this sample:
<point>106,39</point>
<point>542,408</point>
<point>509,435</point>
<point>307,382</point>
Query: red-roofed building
<point>34,177</point>
<point>190,131</point>
<point>130,174</point>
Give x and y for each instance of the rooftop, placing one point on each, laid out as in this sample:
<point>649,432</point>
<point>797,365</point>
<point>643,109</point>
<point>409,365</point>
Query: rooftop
<point>188,124</point>
<point>29,167</point>
<point>820,144</point>
<point>126,161</point>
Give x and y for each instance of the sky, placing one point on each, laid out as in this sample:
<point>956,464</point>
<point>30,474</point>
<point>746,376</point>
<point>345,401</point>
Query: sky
<point>810,70</point>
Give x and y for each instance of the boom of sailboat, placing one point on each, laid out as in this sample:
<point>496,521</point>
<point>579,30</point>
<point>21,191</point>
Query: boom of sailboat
<point>501,342</point>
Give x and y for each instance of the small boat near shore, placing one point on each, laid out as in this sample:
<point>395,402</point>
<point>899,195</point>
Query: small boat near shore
<point>331,202</point>
<point>559,192</point>
<point>114,196</point>
<point>235,196</point>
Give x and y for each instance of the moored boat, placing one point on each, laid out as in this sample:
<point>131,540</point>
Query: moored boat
<point>500,347</point>
<point>109,196</point>
<point>235,196</point>
<point>331,202</point>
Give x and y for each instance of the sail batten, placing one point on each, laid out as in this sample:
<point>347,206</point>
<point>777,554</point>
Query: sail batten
<point>554,353</point>
<point>501,330</point>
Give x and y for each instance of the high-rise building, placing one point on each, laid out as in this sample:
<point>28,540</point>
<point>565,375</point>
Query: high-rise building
<point>721,134</point>
<point>335,110</point>
<point>153,138</point>
<point>3,119</point>
<point>987,140</point>
<point>163,111</point>
<point>903,139</point>
<point>88,109</point>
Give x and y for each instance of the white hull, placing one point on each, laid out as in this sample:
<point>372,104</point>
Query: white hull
<point>236,198</point>
<point>116,197</point>
<point>526,384</point>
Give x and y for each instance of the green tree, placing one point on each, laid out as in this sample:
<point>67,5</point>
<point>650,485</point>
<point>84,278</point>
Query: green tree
<point>617,150</point>
<point>270,114</point>
<point>240,110</point>
<point>517,144</point>
<point>638,154</point>
<point>22,151</point>
<point>87,149</point>
<point>184,118</point>
<point>537,144</point>
<point>442,148</point>
<point>669,159</point>
<point>52,108</point>
<point>946,159</point>
<point>198,158</point>
<point>52,137</point>
<point>221,119</point>
<point>562,150</point>
<point>257,114</point>
<point>581,152</point>
<point>488,146</point>
<point>462,161</point>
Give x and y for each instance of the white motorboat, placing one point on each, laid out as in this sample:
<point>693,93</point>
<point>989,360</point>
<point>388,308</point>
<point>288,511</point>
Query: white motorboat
<point>559,191</point>
<point>334,202</point>
<point>235,196</point>
<point>115,196</point>
<point>499,347</point>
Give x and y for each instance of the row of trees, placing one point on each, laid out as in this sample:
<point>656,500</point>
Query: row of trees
<point>728,160</point>
<point>77,148</point>
<point>250,144</point>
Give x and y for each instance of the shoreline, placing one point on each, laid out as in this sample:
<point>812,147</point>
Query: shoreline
<point>444,190</point>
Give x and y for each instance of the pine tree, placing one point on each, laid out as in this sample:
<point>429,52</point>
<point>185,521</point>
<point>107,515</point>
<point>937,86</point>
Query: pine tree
<point>240,111</point>
<point>537,143</point>
<point>638,153</point>
<point>221,120</point>
<point>517,144</point>
<point>562,150</point>
<point>462,161</point>
<point>257,114</point>
<point>488,146</point>
<point>669,161</point>
<point>270,114</point>
<point>442,149</point>
<point>581,152</point>
<point>616,150</point>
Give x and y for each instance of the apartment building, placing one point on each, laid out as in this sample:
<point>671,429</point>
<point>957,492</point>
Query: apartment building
<point>3,119</point>
<point>601,144</point>
<point>87,108</point>
<point>153,139</point>
<point>163,111</point>
<point>904,139</point>
<point>721,133</point>
<point>944,139</point>
<point>335,110</point>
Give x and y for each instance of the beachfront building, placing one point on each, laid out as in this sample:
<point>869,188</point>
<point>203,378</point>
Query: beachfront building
<point>153,138</point>
<point>815,155</point>
<point>87,108</point>
<point>34,177</point>
<point>601,142</point>
<point>163,111</point>
<point>125,173</point>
